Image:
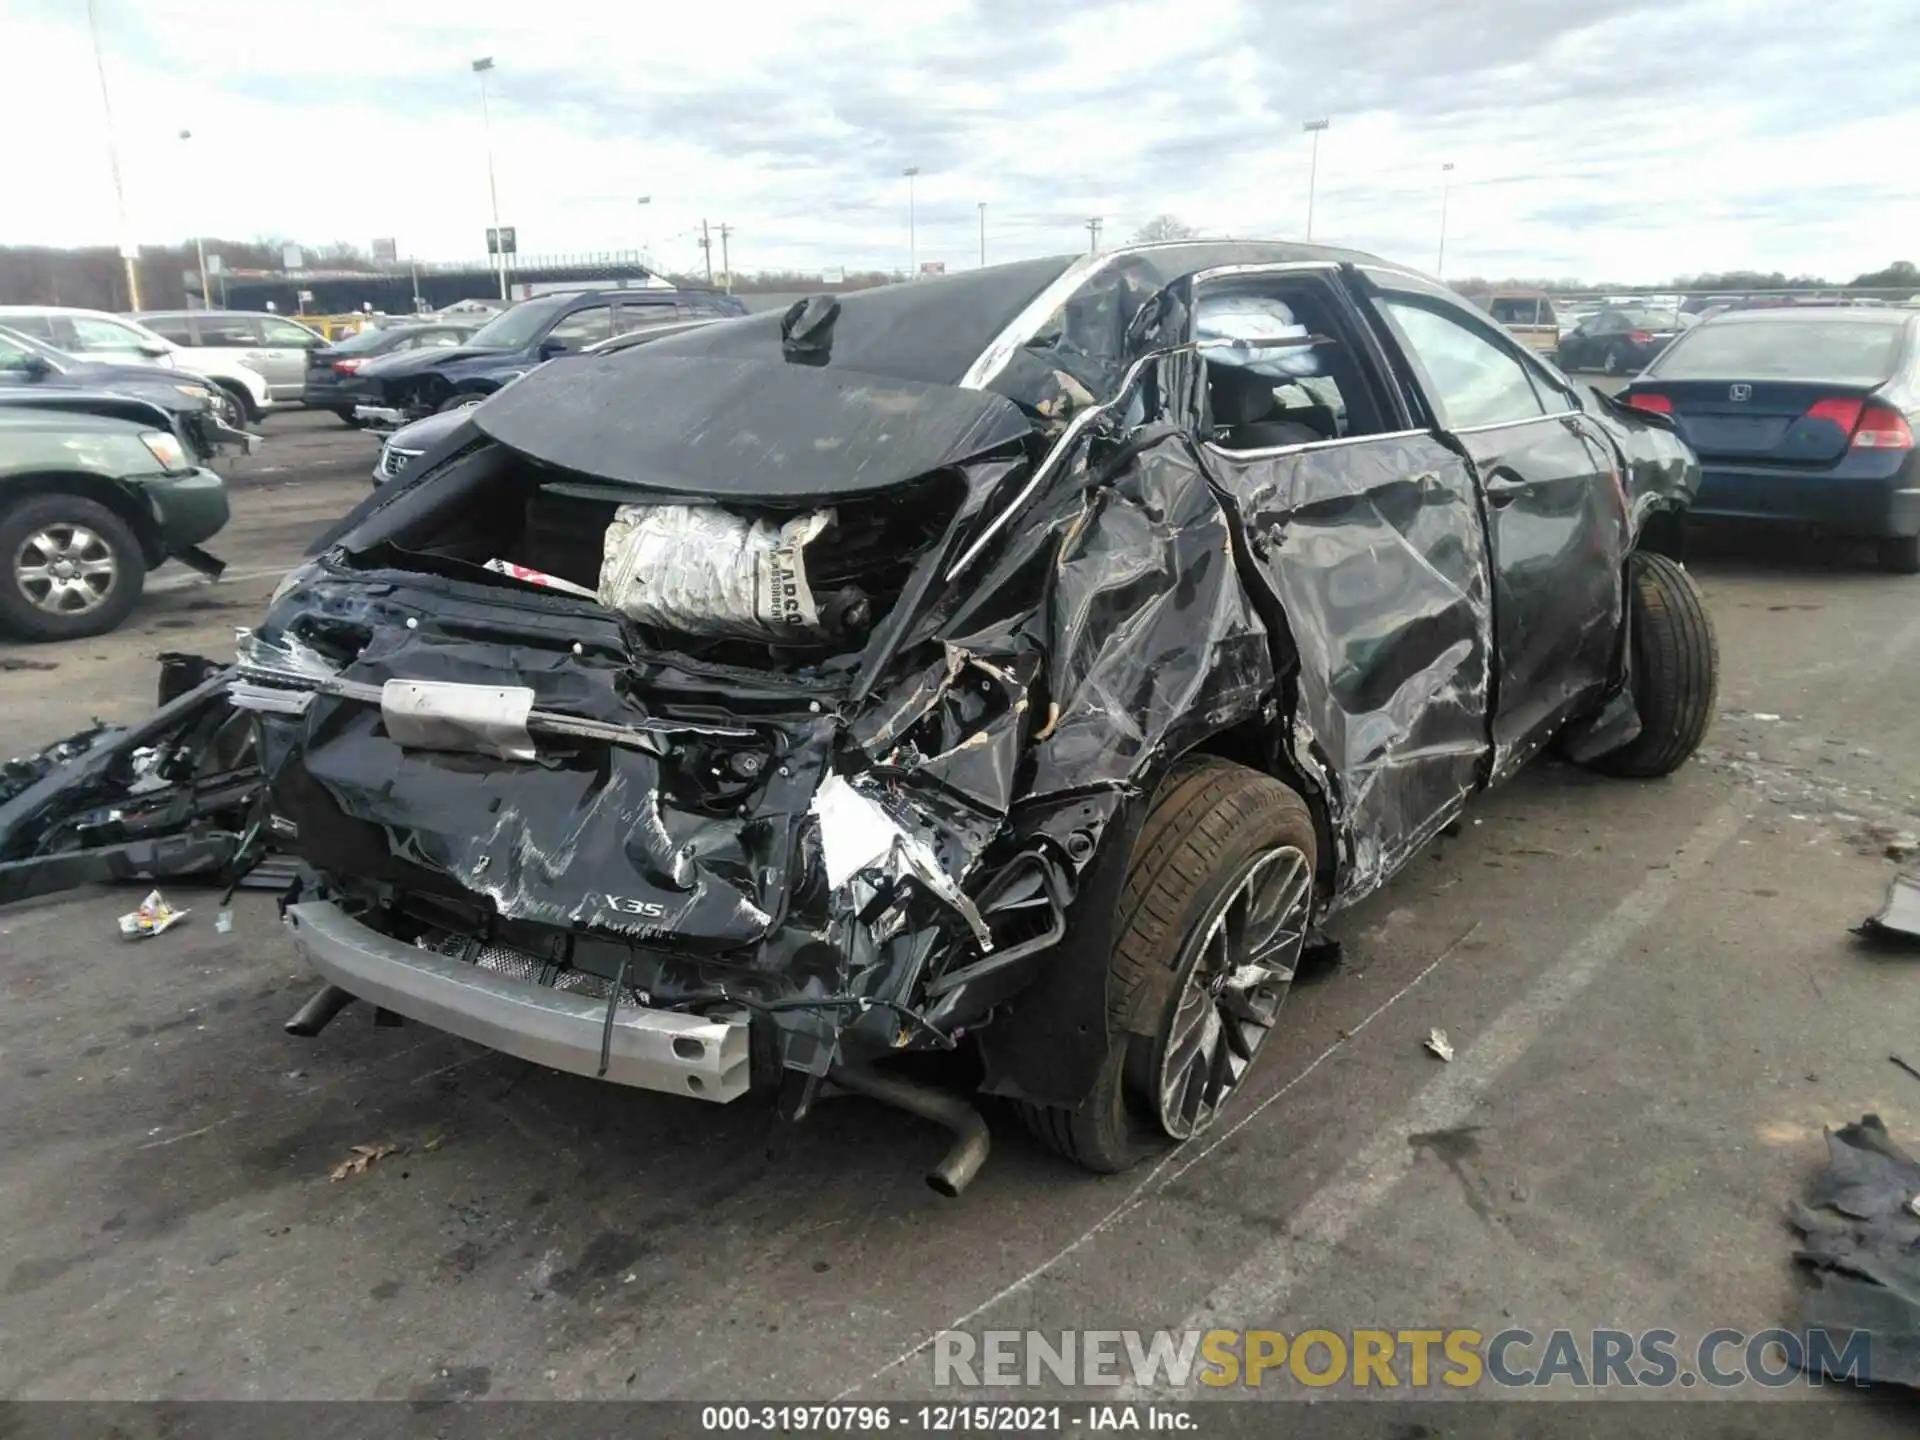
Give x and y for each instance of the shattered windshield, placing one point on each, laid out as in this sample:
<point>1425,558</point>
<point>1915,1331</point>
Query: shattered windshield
<point>516,329</point>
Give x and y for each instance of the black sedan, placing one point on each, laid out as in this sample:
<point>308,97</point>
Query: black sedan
<point>1055,645</point>
<point>1619,341</point>
<point>1802,417</point>
<point>330,365</point>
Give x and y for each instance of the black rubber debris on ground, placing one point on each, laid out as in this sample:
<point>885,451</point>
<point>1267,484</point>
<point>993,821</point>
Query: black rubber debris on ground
<point>1898,922</point>
<point>1861,1235</point>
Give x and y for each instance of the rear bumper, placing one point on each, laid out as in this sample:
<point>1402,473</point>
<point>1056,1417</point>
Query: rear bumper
<point>663,1050</point>
<point>1876,505</point>
<point>381,417</point>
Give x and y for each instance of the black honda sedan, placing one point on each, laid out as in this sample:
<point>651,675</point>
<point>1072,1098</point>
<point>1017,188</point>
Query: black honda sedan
<point>1619,341</point>
<point>1028,659</point>
<point>329,366</point>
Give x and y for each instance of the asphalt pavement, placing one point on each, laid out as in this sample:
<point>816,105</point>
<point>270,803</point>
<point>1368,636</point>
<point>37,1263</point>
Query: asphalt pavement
<point>1652,993</point>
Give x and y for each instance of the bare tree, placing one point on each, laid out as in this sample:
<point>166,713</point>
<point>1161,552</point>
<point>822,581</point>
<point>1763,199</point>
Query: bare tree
<point>1164,227</point>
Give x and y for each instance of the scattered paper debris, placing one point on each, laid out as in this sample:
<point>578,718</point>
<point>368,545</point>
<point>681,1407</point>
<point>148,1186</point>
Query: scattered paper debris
<point>153,916</point>
<point>1438,1044</point>
<point>434,1144</point>
<point>223,922</point>
<point>362,1157</point>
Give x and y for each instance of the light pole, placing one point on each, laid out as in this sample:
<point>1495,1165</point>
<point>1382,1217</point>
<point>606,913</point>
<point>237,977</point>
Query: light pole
<point>645,249</point>
<point>983,234</point>
<point>913,243</point>
<point>480,68</point>
<point>129,252</point>
<point>200,247</point>
<point>1313,127</point>
<point>1446,182</point>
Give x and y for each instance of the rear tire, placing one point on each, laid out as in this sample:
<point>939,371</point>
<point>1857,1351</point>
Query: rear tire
<point>464,400</point>
<point>45,536</point>
<point>350,420</point>
<point>1900,555</point>
<point>1216,831</point>
<point>1618,362</point>
<point>1676,669</point>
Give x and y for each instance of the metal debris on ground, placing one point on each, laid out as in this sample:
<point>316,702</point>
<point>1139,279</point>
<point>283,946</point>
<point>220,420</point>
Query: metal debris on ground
<point>1438,1044</point>
<point>154,916</point>
<point>1899,919</point>
<point>1861,1235</point>
<point>362,1157</point>
<point>1910,1069</point>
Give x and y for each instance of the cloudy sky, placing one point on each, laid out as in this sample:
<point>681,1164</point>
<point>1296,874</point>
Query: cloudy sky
<point>1592,138</point>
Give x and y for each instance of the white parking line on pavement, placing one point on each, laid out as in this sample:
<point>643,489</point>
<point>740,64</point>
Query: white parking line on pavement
<point>189,579</point>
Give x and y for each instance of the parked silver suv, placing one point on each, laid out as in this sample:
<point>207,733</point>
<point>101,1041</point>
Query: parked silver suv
<point>272,344</point>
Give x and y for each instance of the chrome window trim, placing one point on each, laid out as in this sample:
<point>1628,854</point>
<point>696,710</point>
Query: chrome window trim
<point>1269,451</point>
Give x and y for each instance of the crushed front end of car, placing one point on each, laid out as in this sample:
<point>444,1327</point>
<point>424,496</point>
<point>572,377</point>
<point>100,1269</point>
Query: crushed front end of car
<point>735,734</point>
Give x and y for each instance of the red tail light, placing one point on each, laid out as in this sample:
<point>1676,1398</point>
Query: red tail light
<point>345,367</point>
<point>1883,428</point>
<point>1842,410</point>
<point>1640,337</point>
<point>1658,404</point>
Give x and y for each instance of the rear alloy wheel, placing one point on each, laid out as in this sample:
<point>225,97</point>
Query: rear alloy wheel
<point>1676,669</point>
<point>1900,554</point>
<point>1212,922</point>
<point>72,568</point>
<point>348,418</point>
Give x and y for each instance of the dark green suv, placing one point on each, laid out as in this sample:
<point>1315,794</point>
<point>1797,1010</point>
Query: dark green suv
<point>89,504</point>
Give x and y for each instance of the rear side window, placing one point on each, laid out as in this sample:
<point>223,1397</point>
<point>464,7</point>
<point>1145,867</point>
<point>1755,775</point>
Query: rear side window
<point>170,327</point>
<point>227,332</point>
<point>34,327</point>
<point>1844,352</point>
<point>1516,312</point>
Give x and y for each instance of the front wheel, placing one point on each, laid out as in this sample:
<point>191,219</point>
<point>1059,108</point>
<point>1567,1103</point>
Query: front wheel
<point>466,400</point>
<point>1218,898</point>
<point>1900,555</point>
<point>242,401</point>
<point>1675,667</point>
<point>71,568</point>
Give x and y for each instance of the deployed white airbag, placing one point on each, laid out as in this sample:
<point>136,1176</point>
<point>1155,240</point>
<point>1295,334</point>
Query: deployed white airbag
<point>702,570</point>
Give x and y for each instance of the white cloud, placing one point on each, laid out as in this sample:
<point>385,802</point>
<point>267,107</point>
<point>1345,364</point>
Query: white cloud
<point>1631,141</point>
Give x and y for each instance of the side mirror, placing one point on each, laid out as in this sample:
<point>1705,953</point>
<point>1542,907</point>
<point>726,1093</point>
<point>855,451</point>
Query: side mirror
<point>35,367</point>
<point>551,347</point>
<point>154,349</point>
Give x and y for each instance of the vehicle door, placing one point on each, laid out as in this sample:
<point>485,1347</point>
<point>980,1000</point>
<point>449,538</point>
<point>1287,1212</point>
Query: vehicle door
<point>1555,511</point>
<point>1361,535</point>
<point>284,347</point>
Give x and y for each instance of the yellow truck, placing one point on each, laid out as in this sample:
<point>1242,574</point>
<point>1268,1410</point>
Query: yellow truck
<point>1529,315</point>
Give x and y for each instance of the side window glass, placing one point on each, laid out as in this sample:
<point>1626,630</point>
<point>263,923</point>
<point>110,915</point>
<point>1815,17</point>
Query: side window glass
<point>228,332</point>
<point>35,327</point>
<point>638,317</point>
<point>103,335</point>
<point>1472,380</point>
<point>172,327</point>
<point>583,327</point>
<point>1278,373</point>
<point>286,334</point>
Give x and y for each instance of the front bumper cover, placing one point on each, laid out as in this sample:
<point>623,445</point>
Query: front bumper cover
<point>703,1056</point>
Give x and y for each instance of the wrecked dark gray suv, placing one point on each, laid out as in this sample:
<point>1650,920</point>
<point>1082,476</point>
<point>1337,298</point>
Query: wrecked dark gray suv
<point>1029,659</point>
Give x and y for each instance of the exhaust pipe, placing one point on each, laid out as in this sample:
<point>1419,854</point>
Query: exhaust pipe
<point>314,1016</point>
<point>961,1163</point>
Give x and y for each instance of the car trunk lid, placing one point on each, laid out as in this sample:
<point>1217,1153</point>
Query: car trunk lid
<point>1786,422</point>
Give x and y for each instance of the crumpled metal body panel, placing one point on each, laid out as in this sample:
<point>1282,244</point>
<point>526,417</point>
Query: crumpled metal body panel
<point>1374,553</point>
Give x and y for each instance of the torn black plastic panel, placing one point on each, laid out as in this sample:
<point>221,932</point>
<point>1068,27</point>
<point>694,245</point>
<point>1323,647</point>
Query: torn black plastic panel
<point>178,795</point>
<point>1860,1234</point>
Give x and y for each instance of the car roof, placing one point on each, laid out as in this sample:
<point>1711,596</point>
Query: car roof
<point>63,310</point>
<point>1804,314</point>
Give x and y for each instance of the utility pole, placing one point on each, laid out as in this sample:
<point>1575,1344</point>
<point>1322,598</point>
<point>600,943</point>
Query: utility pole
<point>129,252</point>
<point>1093,235</point>
<point>1446,182</point>
<point>726,263</point>
<point>706,250</point>
<point>200,245</point>
<point>913,242</point>
<point>983,234</point>
<point>1313,127</point>
<point>480,68</point>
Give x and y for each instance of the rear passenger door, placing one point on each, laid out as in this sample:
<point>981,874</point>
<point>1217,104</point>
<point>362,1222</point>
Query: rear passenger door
<point>283,355</point>
<point>1556,513</point>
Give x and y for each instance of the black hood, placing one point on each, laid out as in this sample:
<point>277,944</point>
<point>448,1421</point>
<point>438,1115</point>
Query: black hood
<point>397,363</point>
<point>723,427</point>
